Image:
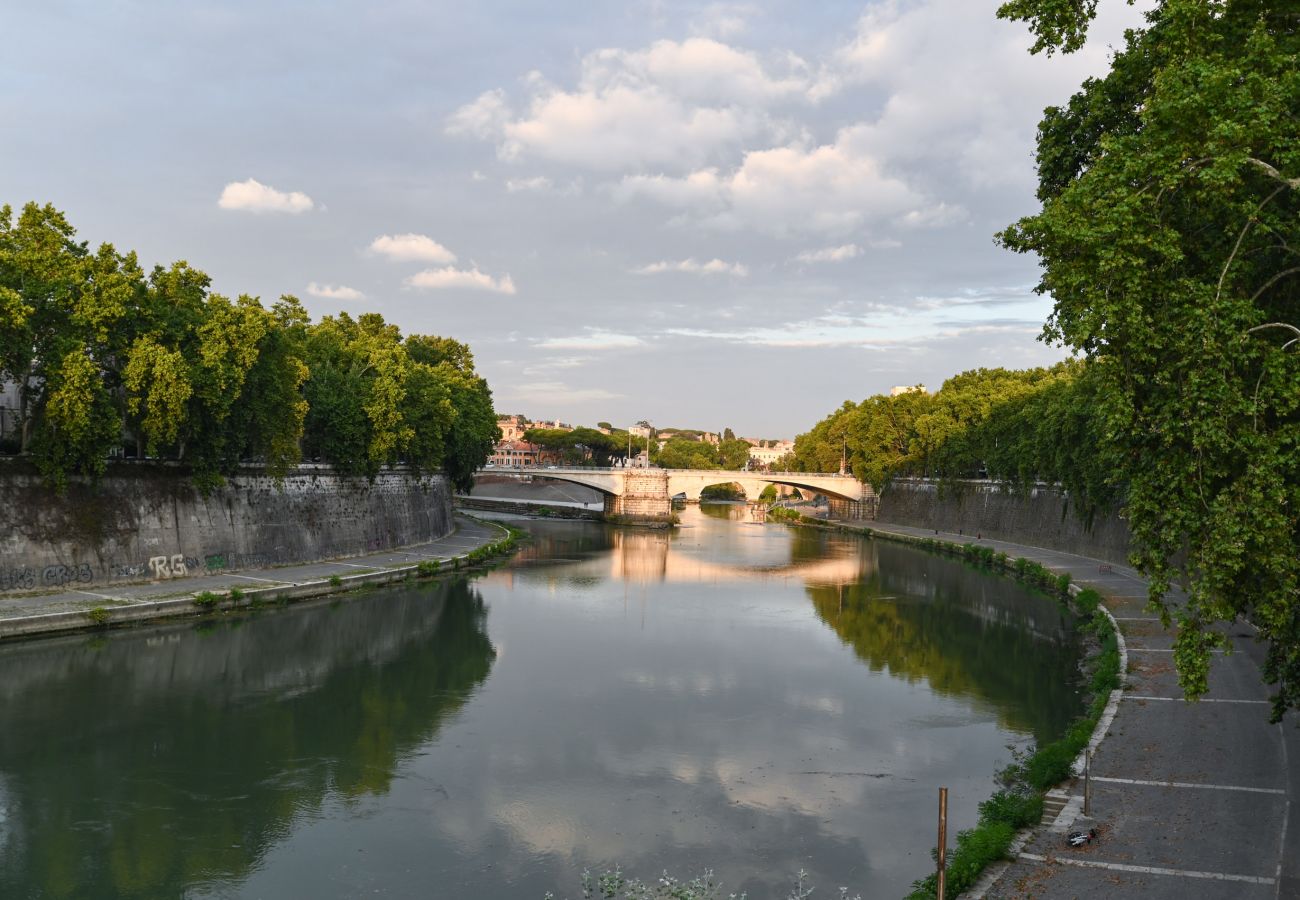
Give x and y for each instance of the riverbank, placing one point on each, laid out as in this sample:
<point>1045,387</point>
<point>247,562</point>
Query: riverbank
<point>1186,797</point>
<point>68,609</point>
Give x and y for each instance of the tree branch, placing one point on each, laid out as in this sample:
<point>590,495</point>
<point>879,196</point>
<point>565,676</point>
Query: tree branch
<point>1268,284</point>
<point>1293,183</point>
<point>1241,237</point>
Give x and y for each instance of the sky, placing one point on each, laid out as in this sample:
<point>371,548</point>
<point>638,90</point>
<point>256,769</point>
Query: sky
<point>706,215</point>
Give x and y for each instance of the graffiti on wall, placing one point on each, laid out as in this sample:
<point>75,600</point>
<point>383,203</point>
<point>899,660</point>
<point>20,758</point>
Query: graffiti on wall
<point>175,566</point>
<point>17,578</point>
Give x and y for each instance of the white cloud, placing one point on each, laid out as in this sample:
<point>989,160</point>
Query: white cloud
<point>555,393</point>
<point>592,340</point>
<point>334,292</point>
<point>961,86</point>
<point>830,254</point>
<point>467,279</point>
<point>935,216</point>
<point>253,196</point>
<point>714,266</point>
<point>484,118</point>
<point>723,20</point>
<point>537,183</point>
<point>829,189</point>
<point>411,248</point>
<point>670,105</point>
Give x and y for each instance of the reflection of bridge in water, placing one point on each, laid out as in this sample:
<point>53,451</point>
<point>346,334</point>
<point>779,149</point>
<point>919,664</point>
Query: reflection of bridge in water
<point>654,556</point>
<point>648,493</point>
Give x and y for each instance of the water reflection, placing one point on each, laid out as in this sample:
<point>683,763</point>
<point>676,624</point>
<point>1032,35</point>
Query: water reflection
<point>148,762</point>
<point>961,632</point>
<point>744,697</point>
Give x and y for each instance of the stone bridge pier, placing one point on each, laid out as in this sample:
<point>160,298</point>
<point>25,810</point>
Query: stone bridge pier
<point>645,496</point>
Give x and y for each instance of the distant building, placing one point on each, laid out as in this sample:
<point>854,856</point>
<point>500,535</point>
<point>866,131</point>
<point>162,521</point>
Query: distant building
<point>641,431</point>
<point>766,456</point>
<point>512,428</point>
<point>515,454</point>
<point>907,389</point>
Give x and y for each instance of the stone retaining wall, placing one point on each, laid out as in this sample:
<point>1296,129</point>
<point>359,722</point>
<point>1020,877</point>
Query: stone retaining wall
<point>148,522</point>
<point>1039,516</point>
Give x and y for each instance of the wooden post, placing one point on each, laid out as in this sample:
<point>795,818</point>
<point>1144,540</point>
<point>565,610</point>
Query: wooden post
<point>1087,783</point>
<point>943,837</point>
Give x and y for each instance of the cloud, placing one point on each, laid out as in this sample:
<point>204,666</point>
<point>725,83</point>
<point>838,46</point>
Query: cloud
<point>592,340</point>
<point>827,189</point>
<point>448,278</point>
<point>334,292</point>
<point>723,20</point>
<point>674,104</point>
<point>959,84</point>
<point>712,267</point>
<point>556,393</point>
<point>411,248</point>
<point>556,362</point>
<point>830,254</point>
<point>253,196</point>
<point>538,183</point>
<point>484,118</point>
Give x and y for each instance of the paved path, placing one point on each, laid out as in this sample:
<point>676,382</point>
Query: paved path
<point>469,534</point>
<point>1190,799</point>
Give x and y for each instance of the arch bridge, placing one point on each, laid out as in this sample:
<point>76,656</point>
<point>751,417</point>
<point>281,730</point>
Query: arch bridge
<point>648,493</point>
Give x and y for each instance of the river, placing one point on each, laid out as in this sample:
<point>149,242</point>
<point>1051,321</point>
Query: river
<point>742,697</point>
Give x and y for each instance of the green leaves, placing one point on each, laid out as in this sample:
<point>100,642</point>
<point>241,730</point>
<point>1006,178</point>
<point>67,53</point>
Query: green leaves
<point>1169,228</point>
<point>104,356</point>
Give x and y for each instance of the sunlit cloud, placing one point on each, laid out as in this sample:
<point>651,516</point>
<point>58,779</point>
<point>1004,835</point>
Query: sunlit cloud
<point>253,196</point>
<point>830,254</point>
<point>711,267</point>
<point>411,248</point>
<point>593,340</point>
<point>334,292</point>
<point>450,278</point>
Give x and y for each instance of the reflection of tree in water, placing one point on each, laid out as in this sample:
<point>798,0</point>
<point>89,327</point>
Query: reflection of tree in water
<point>965,633</point>
<point>191,780</point>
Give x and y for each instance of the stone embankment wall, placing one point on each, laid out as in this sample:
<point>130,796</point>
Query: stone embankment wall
<point>1039,516</point>
<point>527,508</point>
<point>146,522</point>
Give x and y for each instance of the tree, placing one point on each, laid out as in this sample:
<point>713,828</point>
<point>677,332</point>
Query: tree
<point>733,453</point>
<point>1169,236</point>
<point>684,453</point>
<point>472,429</point>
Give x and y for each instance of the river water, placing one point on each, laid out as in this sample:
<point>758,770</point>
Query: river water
<point>735,696</point>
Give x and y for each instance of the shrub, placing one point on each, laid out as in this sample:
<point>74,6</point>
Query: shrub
<point>336,581</point>
<point>236,595</point>
<point>427,568</point>
<point>98,615</point>
<point>1016,807</point>
<point>206,600</point>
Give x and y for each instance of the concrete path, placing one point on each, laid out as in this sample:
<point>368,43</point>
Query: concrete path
<point>60,609</point>
<point>1190,799</point>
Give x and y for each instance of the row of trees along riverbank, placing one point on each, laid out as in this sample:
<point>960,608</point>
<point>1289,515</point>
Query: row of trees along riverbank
<point>105,358</point>
<point>1168,237</point>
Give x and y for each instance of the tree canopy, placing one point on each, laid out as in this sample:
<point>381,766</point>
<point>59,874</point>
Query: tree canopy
<point>1169,237</point>
<point>106,360</point>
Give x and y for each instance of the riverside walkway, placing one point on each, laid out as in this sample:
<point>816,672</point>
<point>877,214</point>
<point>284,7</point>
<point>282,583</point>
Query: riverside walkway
<point>1189,799</point>
<point>70,609</point>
